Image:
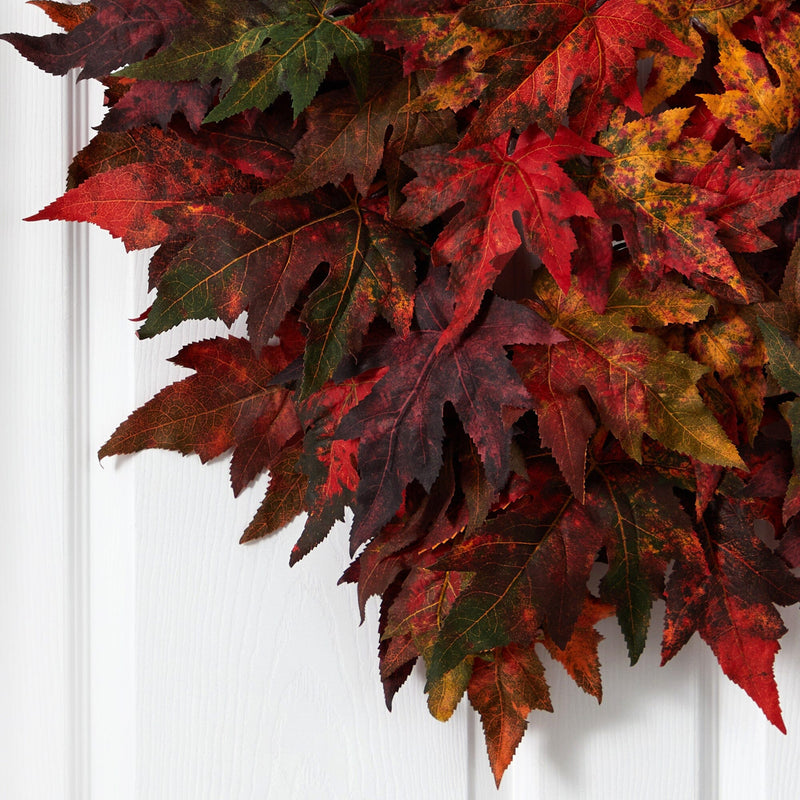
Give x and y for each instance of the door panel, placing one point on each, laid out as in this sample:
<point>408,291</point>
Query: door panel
<point>147,655</point>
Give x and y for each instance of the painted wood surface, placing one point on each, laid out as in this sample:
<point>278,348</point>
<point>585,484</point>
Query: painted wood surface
<point>35,671</point>
<point>146,655</point>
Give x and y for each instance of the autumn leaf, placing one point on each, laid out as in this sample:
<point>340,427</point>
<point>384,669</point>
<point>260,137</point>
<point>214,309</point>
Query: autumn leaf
<point>155,101</point>
<point>540,554</point>
<point>730,600</point>
<point>731,346</point>
<point>580,64</point>
<point>753,192</point>
<point>521,286</point>
<point>302,44</point>
<point>117,33</point>
<point>752,104</point>
<point>637,385</point>
<point>783,355</point>
<point>66,15</point>
<point>667,225</point>
<point>580,658</point>
<point>346,135</point>
<point>400,423</point>
<point>513,188</point>
<point>124,179</point>
<point>432,39</point>
<point>284,500</point>
<point>220,36</point>
<point>645,528</point>
<point>329,463</point>
<point>426,35</point>
<point>424,521</point>
<point>504,690</point>
<point>228,403</point>
<point>266,257</point>
<point>412,623</point>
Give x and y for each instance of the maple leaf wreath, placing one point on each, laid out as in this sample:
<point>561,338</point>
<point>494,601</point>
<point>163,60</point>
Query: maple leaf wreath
<point>522,291</point>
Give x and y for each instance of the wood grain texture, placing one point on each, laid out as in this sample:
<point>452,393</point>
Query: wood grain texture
<point>254,679</point>
<point>35,747</point>
<point>644,740</point>
<point>756,760</point>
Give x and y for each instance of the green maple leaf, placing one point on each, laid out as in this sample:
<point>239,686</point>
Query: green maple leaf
<point>644,528</point>
<point>296,58</point>
<point>259,51</point>
<point>541,553</point>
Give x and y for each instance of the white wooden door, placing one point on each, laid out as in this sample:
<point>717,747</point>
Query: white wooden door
<point>145,654</point>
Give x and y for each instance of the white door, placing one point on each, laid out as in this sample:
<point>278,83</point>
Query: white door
<point>147,655</point>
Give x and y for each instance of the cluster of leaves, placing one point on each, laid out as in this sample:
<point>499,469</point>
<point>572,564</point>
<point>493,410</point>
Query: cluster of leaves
<point>521,290</point>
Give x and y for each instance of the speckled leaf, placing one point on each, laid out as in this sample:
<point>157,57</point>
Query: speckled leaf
<point>729,598</point>
<point>505,687</point>
<point>581,64</point>
<point>565,421</point>
<point>133,176</point>
<point>400,422</point>
<point>413,622</point>
<point>752,104</point>
<point>642,306</point>
<point>499,189</point>
<point>119,32</point>
<point>427,33</point>
<point>666,224</point>
<point>638,385</point>
<point>301,47</point>
<point>730,344</point>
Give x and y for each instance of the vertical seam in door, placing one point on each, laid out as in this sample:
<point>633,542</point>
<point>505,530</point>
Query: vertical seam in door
<point>708,733</point>
<point>76,431</point>
<point>472,755</point>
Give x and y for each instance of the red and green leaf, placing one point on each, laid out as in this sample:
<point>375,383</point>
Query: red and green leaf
<point>521,290</point>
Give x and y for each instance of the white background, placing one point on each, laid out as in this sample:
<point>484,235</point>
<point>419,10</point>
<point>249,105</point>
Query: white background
<point>145,654</point>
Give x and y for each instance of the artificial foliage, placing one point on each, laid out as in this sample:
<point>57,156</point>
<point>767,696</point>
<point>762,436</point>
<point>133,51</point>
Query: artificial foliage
<point>522,291</point>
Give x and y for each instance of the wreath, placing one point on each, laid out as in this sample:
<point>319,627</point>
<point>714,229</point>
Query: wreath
<point>522,290</point>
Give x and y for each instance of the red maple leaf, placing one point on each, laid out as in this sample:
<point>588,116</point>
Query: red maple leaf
<point>729,599</point>
<point>510,192</point>
<point>124,179</point>
<point>580,61</point>
<point>229,403</point>
<point>753,195</point>
<point>400,423</point>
